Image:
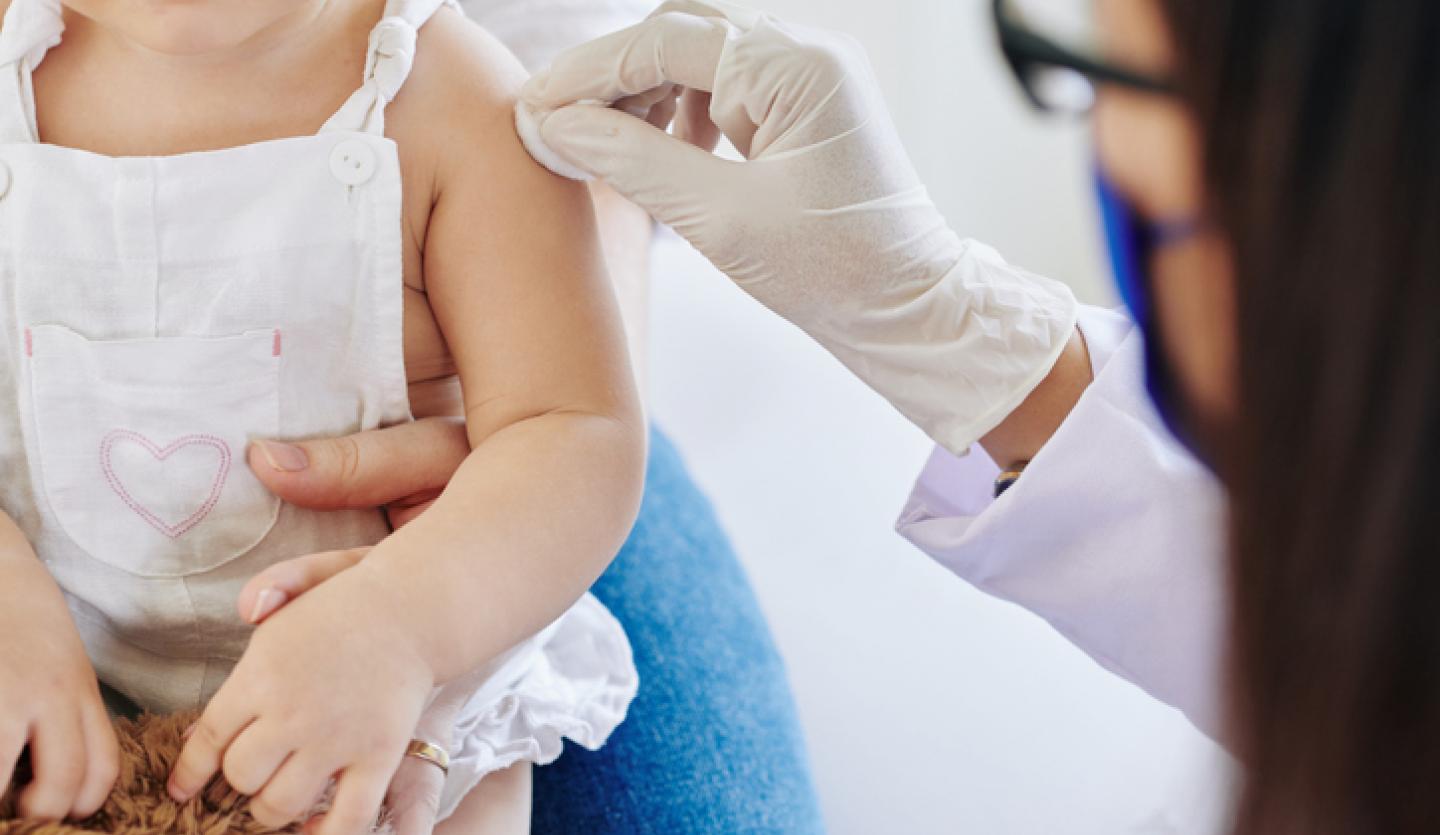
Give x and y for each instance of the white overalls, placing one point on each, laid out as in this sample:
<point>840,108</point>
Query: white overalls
<point>158,313</point>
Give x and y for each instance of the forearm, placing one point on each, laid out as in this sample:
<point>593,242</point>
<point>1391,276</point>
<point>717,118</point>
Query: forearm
<point>530,520</point>
<point>18,562</point>
<point>1021,435</point>
<point>25,584</point>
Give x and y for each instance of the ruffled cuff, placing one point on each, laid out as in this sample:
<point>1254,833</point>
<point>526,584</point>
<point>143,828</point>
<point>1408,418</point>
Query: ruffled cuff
<point>578,684</point>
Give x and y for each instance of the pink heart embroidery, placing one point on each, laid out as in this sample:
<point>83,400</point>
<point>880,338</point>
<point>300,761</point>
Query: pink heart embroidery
<point>172,530</point>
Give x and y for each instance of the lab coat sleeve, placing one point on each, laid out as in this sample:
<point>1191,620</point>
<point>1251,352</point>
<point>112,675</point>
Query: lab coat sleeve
<point>1114,534</point>
<point>538,30</point>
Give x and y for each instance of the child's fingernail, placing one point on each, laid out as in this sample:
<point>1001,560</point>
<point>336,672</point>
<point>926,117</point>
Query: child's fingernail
<point>188,732</point>
<point>266,602</point>
<point>285,458</point>
<point>175,793</point>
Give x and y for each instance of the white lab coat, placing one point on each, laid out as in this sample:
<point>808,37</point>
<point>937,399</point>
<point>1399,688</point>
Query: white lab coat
<point>1114,534</point>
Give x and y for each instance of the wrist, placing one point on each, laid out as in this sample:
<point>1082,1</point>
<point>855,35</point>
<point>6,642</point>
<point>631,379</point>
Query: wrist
<point>30,596</point>
<point>1023,432</point>
<point>389,605</point>
<point>415,619</point>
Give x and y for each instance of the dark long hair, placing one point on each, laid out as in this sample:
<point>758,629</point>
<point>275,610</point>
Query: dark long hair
<point>1321,122</point>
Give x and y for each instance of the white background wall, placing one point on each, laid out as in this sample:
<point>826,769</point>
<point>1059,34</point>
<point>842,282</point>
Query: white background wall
<point>929,707</point>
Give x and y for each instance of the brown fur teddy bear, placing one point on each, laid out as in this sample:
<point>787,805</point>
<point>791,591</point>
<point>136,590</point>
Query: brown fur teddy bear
<point>139,804</point>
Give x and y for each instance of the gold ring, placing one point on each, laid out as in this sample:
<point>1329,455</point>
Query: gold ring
<point>430,753</point>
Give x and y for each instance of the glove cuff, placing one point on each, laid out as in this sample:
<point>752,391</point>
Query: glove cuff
<point>958,356</point>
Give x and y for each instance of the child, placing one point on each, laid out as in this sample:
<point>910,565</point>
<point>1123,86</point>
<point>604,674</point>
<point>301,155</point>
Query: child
<point>195,256</point>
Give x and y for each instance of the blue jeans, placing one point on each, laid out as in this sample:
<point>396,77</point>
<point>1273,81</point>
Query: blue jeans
<point>712,743</point>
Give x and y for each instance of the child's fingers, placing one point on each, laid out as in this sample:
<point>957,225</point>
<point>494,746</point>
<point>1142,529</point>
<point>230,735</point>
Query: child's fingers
<point>102,755</point>
<point>57,755</point>
<point>292,793</point>
<point>202,755</point>
<point>256,757</point>
<point>284,581</point>
<point>357,800</point>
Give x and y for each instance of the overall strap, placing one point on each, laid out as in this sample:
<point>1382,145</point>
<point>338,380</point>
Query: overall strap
<point>391,54</point>
<point>30,29</point>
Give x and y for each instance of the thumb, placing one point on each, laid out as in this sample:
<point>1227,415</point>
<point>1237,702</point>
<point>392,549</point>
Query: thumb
<point>364,470</point>
<point>668,177</point>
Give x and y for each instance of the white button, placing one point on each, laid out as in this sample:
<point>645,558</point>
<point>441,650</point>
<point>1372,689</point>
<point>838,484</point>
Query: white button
<point>4,179</point>
<point>353,162</point>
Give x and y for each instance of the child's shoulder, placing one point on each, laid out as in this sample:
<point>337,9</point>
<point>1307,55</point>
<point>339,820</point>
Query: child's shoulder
<point>454,125</point>
<point>454,48</point>
<point>461,90</point>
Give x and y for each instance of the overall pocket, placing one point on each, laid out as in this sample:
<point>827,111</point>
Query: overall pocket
<point>141,444</point>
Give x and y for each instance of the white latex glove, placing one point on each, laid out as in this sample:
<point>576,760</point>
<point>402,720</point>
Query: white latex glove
<point>826,222</point>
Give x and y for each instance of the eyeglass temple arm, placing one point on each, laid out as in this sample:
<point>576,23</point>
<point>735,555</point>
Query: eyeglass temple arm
<point>1023,47</point>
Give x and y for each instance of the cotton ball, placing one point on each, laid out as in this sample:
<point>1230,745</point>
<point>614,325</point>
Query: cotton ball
<point>527,125</point>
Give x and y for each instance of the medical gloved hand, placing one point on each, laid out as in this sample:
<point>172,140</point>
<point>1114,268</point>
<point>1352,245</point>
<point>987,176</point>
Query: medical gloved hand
<point>825,222</point>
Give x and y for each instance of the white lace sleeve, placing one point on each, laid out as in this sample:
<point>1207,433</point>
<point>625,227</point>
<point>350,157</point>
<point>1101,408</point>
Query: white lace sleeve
<point>537,30</point>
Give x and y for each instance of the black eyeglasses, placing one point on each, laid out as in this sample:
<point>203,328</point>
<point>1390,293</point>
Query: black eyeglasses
<point>1051,49</point>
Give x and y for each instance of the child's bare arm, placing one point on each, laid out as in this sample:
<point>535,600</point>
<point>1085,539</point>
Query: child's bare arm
<point>336,681</point>
<point>49,699</point>
<point>515,274</point>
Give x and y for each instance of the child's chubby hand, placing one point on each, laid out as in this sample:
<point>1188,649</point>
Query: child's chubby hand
<point>332,685</point>
<point>415,789</point>
<point>50,701</point>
